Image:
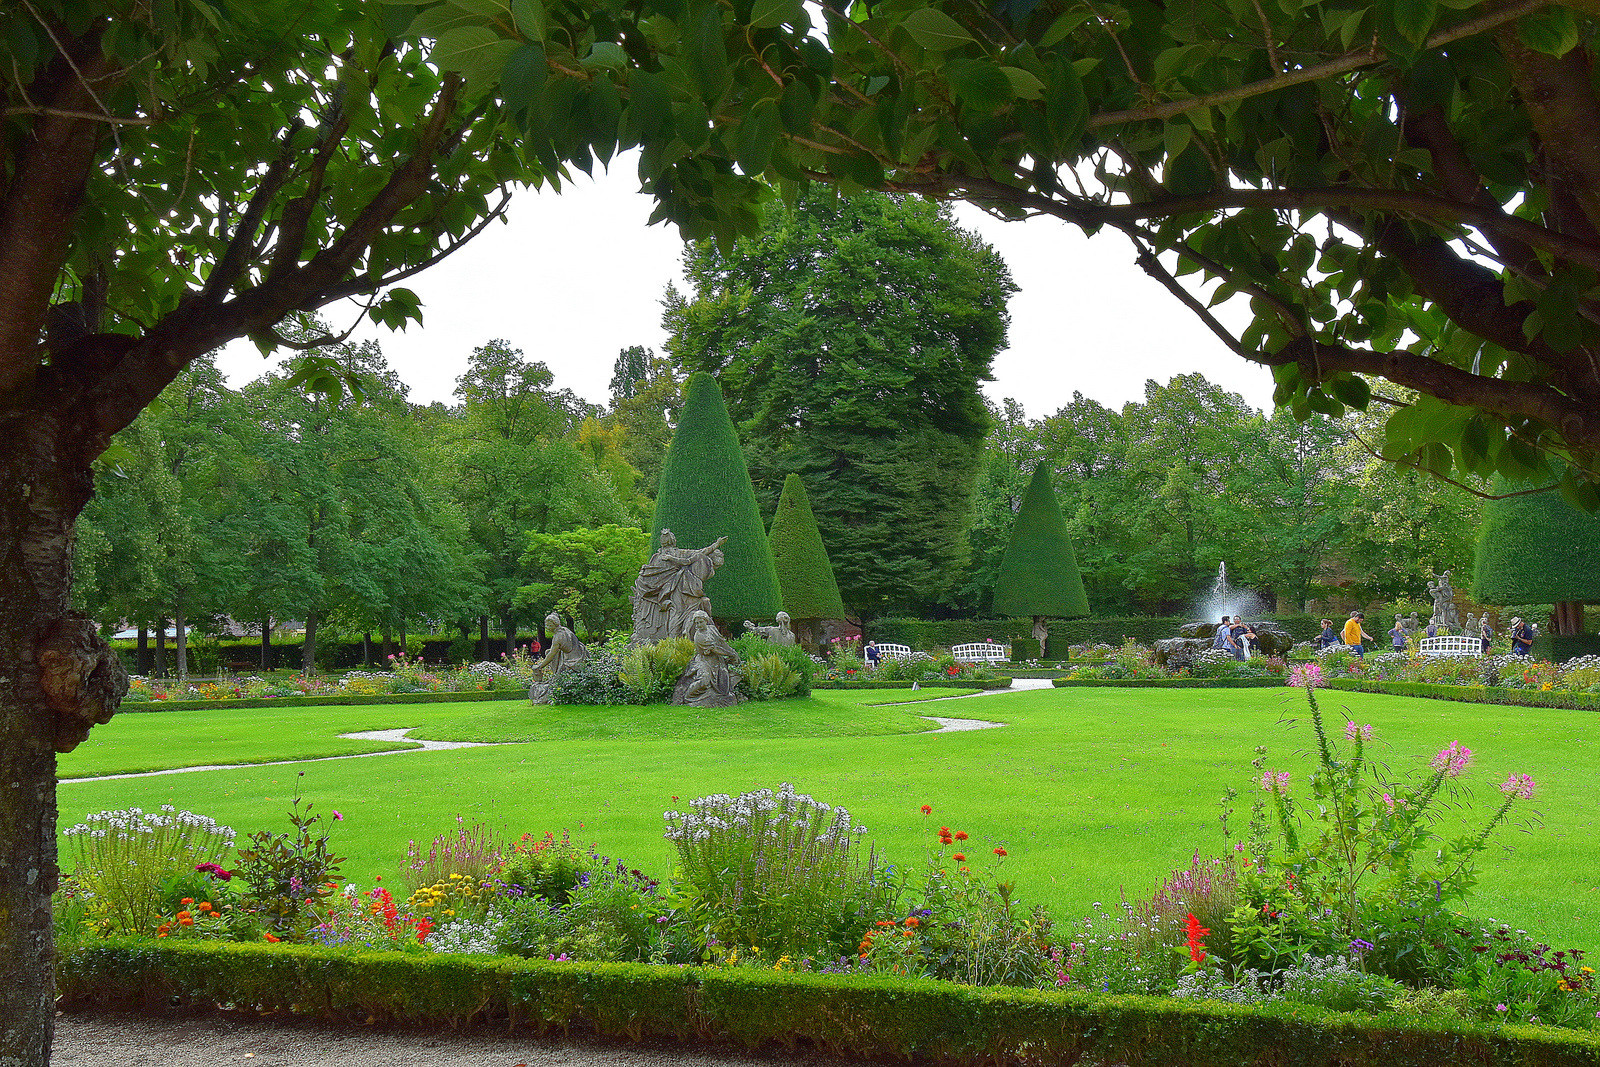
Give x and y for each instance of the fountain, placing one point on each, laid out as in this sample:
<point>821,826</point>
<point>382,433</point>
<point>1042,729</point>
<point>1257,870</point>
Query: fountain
<point>1195,637</point>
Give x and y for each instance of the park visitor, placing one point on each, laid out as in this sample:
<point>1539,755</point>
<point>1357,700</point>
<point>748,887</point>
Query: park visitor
<point>1397,636</point>
<point>1327,636</point>
<point>1224,636</point>
<point>1521,638</point>
<point>871,654</point>
<point>1354,634</point>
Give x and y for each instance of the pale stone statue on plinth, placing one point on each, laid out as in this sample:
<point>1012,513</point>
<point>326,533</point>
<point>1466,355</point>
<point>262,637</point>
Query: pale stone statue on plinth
<point>780,634</point>
<point>710,680</point>
<point>1444,604</point>
<point>565,650</point>
<point>1041,633</point>
<point>671,587</point>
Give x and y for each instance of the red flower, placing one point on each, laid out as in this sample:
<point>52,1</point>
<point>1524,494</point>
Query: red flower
<point>1195,940</point>
<point>944,831</point>
<point>272,939</point>
<point>959,857</point>
<point>927,809</point>
<point>1000,852</point>
<point>961,835</point>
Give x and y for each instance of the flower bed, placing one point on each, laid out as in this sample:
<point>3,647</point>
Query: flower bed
<point>1473,694</point>
<point>869,682</point>
<point>1170,682</point>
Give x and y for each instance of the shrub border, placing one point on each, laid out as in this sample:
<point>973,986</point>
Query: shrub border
<point>337,699</point>
<point>953,683</point>
<point>1472,694</point>
<point>1168,683</point>
<point>869,1018</point>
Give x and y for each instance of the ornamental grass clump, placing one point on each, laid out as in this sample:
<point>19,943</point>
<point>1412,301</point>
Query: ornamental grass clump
<point>779,871</point>
<point>471,852</point>
<point>122,857</point>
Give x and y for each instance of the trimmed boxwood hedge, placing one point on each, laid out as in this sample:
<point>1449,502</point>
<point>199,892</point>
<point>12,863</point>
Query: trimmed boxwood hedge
<point>1473,694</point>
<point>1168,683</point>
<point>942,683</point>
<point>332,699</point>
<point>860,1018</point>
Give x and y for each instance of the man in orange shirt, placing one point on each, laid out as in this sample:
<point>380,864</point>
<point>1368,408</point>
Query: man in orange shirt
<point>1354,634</point>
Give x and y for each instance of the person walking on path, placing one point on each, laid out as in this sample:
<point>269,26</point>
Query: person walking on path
<point>1327,636</point>
<point>1354,634</point>
<point>1397,636</point>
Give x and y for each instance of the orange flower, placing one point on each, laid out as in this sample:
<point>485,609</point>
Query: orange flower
<point>961,835</point>
<point>927,809</point>
<point>187,900</point>
<point>184,919</point>
<point>205,905</point>
<point>964,870</point>
<point>1000,852</point>
<point>912,920</point>
<point>960,857</point>
<point>269,937</point>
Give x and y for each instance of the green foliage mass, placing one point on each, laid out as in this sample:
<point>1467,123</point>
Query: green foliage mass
<point>585,574</point>
<point>705,494</point>
<point>804,574</point>
<point>1039,574</point>
<point>1536,549</point>
<point>850,338</point>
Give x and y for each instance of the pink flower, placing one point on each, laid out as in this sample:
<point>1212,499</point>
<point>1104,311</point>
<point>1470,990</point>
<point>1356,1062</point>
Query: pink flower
<point>1307,676</point>
<point>1389,800</point>
<point>1277,782</point>
<point>1452,759</point>
<point>1352,731</point>
<point>336,816</point>
<point>1518,784</point>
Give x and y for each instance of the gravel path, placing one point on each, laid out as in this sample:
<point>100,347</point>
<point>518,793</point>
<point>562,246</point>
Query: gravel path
<point>137,1040</point>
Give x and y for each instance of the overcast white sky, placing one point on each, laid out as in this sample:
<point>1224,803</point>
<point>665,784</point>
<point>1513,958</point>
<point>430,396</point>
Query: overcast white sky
<point>575,277</point>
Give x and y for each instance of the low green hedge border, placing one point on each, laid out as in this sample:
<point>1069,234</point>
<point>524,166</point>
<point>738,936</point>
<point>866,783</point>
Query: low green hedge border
<point>1472,694</point>
<point>866,1018</point>
<point>952,683</point>
<point>324,701</point>
<point>1168,683</point>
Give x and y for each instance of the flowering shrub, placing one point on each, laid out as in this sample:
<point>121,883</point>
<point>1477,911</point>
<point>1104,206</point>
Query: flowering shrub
<point>288,873</point>
<point>467,852</point>
<point>121,858</point>
<point>778,870</point>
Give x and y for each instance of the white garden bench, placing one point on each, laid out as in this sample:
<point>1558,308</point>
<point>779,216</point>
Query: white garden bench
<point>985,652</point>
<point>1452,646</point>
<point>887,651</point>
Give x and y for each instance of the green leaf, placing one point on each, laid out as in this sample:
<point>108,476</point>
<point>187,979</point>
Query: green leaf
<point>1024,86</point>
<point>978,83</point>
<point>770,14</point>
<point>530,18</point>
<point>708,54</point>
<point>756,137</point>
<point>1066,106</point>
<point>606,55</point>
<point>1552,31</point>
<point>1063,25</point>
<point>522,77</point>
<point>649,107</point>
<point>487,9</point>
<point>1413,19</point>
<point>1352,390</point>
<point>464,47</point>
<point>935,31</point>
<point>795,107</point>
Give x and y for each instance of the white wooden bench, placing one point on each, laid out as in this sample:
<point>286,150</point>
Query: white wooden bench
<point>984,652</point>
<point>887,651</point>
<point>1452,646</point>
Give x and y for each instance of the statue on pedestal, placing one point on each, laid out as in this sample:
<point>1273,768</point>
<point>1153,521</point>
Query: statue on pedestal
<point>780,634</point>
<point>1444,604</point>
<point>671,587</point>
<point>565,650</point>
<point>710,680</point>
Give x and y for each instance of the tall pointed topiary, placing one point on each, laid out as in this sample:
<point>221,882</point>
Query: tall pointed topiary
<point>804,574</point>
<point>1538,549</point>
<point>1039,572</point>
<point>705,493</point>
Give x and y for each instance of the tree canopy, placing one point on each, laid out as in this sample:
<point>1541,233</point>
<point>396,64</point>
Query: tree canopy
<point>852,337</point>
<point>1403,192</point>
<point>705,494</point>
<point>1039,572</point>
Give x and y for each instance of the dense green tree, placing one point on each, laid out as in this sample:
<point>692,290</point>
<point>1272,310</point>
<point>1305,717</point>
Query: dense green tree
<point>585,574</point>
<point>646,415</point>
<point>1039,572</point>
<point>705,494</point>
<point>805,577</point>
<point>851,337</point>
<point>1536,548</point>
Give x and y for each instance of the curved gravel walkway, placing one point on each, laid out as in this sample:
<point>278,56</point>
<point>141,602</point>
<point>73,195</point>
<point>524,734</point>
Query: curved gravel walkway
<point>107,1039</point>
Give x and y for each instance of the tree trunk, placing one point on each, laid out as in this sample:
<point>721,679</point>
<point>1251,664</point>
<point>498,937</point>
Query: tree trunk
<point>161,648</point>
<point>266,643</point>
<point>366,648</point>
<point>59,678</point>
<point>483,637</point>
<point>308,647</point>
<point>141,660</point>
<point>1567,618</point>
<point>181,639</point>
<point>511,637</point>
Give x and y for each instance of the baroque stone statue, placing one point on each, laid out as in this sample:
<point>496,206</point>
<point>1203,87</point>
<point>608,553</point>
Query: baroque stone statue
<point>710,680</point>
<point>671,587</point>
<point>1444,604</point>
<point>564,651</point>
<point>781,634</point>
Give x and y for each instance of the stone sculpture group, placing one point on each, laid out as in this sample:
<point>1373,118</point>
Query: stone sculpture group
<point>669,600</point>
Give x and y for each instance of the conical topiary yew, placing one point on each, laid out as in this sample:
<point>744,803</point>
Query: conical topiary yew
<point>1039,572</point>
<point>805,576</point>
<point>705,493</point>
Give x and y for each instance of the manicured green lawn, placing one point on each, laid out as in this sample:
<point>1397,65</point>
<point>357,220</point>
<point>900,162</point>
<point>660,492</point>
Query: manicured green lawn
<point>1092,792</point>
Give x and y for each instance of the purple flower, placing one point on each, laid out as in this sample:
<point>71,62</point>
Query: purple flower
<point>1518,785</point>
<point>1358,946</point>
<point>1452,759</point>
